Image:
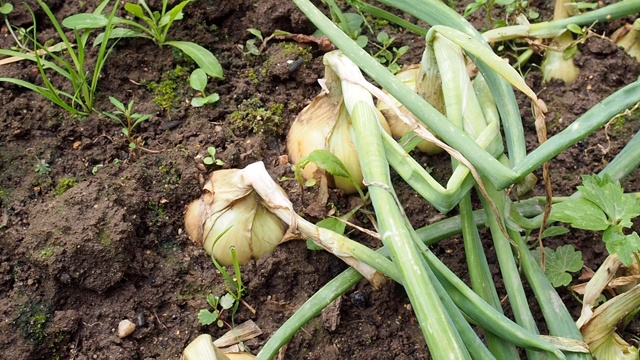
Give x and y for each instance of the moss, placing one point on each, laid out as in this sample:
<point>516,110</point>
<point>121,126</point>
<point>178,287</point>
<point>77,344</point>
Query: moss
<point>65,184</point>
<point>171,174</point>
<point>46,252</point>
<point>254,116</point>
<point>103,237</point>
<point>290,48</point>
<point>253,77</point>
<point>166,90</point>
<point>32,321</point>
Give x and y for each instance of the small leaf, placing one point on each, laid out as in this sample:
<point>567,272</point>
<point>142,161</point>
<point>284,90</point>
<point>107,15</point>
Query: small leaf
<point>574,28</point>
<point>382,37</point>
<point>610,197</point>
<point>326,160</point>
<point>251,47</point>
<point>135,10</point>
<point>117,33</point>
<point>213,98</point>
<point>198,79</point>
<point>85,21</point>
<point>208,160</point>
<point>212,300</point>
<point>227,301</point>
<point>6,9</point>
<point>197,102</point>
<point>257,33</point>
<point>580,213</point>
<point>206,317</point>
<point>362,41</point>
<point>559,263</point>
<point>212,151</point>
<point>333,224</point>
<point>117,103</point>
<point>624,246</point>
<point>403,50</point>
<point>203,57</point>
<point>554,231</point>
<point>354,22</point>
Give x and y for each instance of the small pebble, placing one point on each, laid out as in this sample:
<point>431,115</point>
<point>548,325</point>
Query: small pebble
<point>125,328</point>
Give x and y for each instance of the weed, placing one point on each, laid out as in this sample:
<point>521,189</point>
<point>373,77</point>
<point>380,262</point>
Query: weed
<point>6,9</point>
<point>252,115</point>
<point>130,122</point>
<point>156,25</point>
<point>156,210</point>
<point>72,66</point>
<point>198,81</point>
<point>41,167</point>
<point>211,159</point>
<point>229,301</point>
<point>65,183</point>
<point>387,57</point>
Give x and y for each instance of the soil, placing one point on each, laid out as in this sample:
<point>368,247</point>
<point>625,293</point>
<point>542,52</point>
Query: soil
<point>76,260</point>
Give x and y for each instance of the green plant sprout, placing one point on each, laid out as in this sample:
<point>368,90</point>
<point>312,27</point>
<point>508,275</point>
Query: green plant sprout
<point>72,66</point>
<point>96,168</point>
<point>130,122</point>
<point>350,23</point>
<point>156,26</point>
<point>6,9</point>
<point>250,45</point>
<point>219,304</point>
<point>198,81</point>
<point>235,289</point>
<point>211,159</point>
<point>387,57</point>
<point>41,167</point>
<point>602,205</point>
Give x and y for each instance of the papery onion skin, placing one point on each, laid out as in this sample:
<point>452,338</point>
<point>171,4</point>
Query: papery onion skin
<point>229,214</point>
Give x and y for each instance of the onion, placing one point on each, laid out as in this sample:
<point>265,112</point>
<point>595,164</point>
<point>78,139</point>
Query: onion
<point>230,215</point>
<point>325,124</point>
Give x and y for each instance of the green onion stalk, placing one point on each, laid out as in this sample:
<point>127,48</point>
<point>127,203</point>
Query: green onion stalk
<point>621,166</point>
<point>501,176</point>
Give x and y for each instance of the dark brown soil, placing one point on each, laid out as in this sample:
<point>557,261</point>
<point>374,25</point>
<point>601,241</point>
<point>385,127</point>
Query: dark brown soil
<point>74,263</point>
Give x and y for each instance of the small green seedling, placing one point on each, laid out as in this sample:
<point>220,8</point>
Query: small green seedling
<point>211,159</point>
<point>41,167</point>
<point>96,168</point>
<point>131,119</point>
<point>350,23</point>
<point>389,57</point>
<point>6,9</point>
<point>218,305</point>
<point>603,206</point>
<point>235,288</point>
<point>250,45</point>
<point>560,263</point>
<point>198,81</point>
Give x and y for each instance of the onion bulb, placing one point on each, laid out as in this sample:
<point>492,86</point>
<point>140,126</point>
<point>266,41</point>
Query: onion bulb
<point>325,124</point>
<point>628,37</point>
<point>410,76</point>
<point>229,214</point>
